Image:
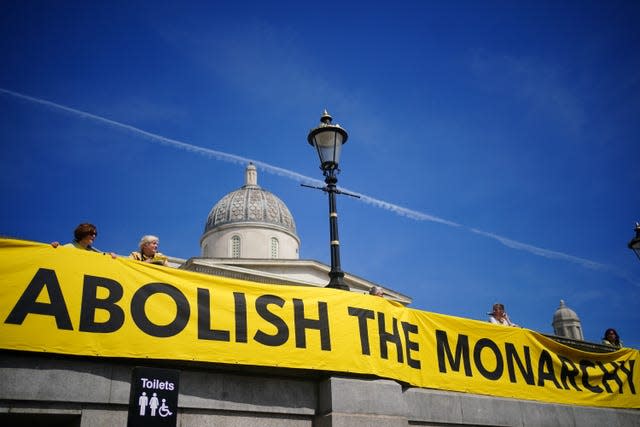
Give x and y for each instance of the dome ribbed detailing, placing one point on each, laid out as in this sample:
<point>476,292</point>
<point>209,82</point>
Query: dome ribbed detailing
<point>250,204</point>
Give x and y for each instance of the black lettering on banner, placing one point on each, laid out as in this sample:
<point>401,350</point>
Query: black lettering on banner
<point>142,321</point>
<point>363,315</point>
<point>629,373</point>
<point>204,319</point>
<point>410,328</point>
<point>44,278</point>
<point>477,358</point>
<point>462,353</point>
<point>569,371</point>
<point>608,376</point>
<point>282,334</point>
<point>91,303</point>
<point>584,364</point>
<point>545,369</point>
<point>240,304</point>
<point>526,370</point>
<point>321,324</point>
<point>393,337</point>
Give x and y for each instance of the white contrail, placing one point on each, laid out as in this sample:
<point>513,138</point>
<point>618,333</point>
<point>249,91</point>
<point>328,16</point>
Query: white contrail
<point>540,251</point>
<point>231,158</point>
<point>409,213</point>
<point>557,255</point>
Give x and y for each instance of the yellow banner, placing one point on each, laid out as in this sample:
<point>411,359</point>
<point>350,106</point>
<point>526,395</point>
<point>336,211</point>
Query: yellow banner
<point>77,302</point>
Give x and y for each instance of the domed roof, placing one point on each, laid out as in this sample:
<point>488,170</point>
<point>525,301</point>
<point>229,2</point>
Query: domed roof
<point>251,204</point>
<point>564,313</point>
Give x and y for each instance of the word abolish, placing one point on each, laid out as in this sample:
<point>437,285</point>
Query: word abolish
<point>106,295</point>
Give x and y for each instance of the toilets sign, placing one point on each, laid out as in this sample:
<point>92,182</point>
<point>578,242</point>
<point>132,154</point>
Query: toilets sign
<point>153,400</point>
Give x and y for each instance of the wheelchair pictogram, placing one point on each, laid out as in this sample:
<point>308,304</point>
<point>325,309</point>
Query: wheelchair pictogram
<point>164,411</point>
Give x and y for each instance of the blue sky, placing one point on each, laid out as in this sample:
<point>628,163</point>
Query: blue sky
<point>496,143</point>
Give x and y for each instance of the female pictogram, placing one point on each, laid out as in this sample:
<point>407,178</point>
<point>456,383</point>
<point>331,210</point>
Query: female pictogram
<point>153,404</point>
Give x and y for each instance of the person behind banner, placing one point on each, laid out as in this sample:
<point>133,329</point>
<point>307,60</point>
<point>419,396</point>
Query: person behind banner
<point>83,237</point>
<point>148,251</point>
<point>499,317</point>
<point>611,338</point>
<point>377,291</point>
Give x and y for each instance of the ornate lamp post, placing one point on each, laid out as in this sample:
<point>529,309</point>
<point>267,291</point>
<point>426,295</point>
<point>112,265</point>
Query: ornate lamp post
<point>634,244</point>
<point>327,139</point>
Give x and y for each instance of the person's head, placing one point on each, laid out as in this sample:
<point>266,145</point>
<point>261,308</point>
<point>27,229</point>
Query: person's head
<point>498,309</point>
<point>611,335</point>
<point>85,234</point>
<point>376,290</point>
<point>149,245</point>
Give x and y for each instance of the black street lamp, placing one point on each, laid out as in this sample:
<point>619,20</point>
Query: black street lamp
<point>327,139</point>
<point>634,244</point>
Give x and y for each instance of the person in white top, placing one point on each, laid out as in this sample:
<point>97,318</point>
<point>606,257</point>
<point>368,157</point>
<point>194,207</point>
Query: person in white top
<point>499,317</point>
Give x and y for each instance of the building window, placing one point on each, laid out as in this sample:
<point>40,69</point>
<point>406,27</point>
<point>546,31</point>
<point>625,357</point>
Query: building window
<point>275,246</point>
<point>235,247</point>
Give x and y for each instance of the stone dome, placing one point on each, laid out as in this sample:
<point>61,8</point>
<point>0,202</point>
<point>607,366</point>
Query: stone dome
<point>250,203</point>
<point>566,323</point>
<point>564,313</point>
<point>250,223</point>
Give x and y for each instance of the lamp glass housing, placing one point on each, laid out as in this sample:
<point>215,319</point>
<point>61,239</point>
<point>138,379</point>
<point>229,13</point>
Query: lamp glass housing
<point>328,142</point>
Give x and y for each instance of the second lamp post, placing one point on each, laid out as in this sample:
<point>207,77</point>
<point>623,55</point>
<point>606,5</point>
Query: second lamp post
<point>634,244</point>
<point>327,139</point>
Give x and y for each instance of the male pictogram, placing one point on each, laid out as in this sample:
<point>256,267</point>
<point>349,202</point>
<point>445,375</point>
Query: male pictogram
<point>143,401</point>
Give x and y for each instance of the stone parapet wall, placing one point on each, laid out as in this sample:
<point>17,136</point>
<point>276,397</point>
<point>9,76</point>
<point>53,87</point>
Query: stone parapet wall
<point>38,389</point>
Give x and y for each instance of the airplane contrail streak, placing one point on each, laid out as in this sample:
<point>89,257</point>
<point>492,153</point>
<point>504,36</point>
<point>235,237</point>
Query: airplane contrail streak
<point>399,210</point>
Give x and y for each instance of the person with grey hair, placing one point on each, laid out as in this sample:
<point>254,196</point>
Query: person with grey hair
<point>149,251</point>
